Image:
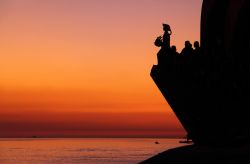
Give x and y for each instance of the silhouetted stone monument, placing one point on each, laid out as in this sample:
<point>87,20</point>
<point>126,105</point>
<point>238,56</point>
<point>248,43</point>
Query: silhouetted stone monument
<point>209,89</point>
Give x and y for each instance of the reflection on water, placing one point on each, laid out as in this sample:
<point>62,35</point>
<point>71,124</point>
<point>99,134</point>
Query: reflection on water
<point>90,151</point>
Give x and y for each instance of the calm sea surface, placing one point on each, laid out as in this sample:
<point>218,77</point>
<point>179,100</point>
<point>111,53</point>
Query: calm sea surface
<point>89,151</point>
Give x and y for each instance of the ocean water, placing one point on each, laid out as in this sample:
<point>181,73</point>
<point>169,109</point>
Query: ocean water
<point>83,151</point>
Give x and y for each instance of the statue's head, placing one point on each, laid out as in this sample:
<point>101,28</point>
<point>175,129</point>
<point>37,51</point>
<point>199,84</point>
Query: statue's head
<point>188,44</point>
<point>166,27</point>
<point>196,44</point>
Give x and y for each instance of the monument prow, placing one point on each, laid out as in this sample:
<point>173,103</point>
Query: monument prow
<point>210,96</point>
<point>212,100</point>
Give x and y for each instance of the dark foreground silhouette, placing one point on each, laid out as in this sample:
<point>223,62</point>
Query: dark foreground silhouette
<point>208,86</point>
<point>202,155</point>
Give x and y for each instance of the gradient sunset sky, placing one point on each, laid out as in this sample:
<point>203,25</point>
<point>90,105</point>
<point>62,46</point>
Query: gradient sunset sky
<point>80,68</point>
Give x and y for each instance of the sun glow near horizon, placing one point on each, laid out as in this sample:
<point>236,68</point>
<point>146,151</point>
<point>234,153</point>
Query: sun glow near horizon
<point>60,57</point>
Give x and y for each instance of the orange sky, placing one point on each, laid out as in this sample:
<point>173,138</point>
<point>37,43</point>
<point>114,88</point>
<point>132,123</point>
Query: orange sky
<point>81,68</point>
